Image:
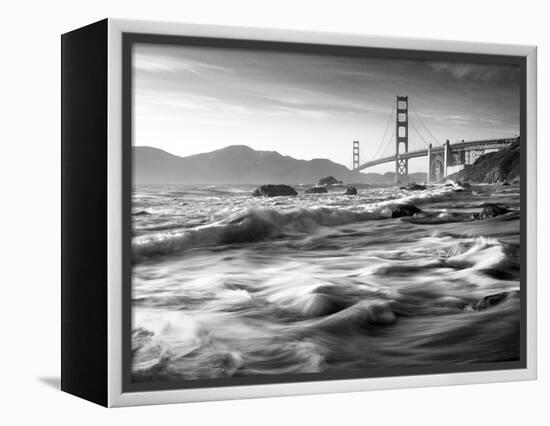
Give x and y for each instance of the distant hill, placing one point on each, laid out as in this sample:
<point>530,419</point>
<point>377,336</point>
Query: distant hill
<point>493,167</point>
<point>239,164</point>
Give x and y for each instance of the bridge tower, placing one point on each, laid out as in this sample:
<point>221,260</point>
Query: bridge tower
<point>355,155</point>
<point>439,160</point>
<point>401,137</point>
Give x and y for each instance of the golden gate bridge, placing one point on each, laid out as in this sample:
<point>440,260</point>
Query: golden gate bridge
<point>442,157</point>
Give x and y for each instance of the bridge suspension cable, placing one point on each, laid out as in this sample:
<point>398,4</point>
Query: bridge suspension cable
<point>385,131</point>
<point>422,122</point>
<point>418,133</point>
<point>388,144</point>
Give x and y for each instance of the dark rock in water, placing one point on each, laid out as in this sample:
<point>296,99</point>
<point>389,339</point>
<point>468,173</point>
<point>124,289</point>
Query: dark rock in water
<point>316,190</point>
<point>414,187</point>
<point>491,211</point>
<point>141,213</point>
<point>402,210</point>
<point>329,180</point>
<point>516,180</point>
<point>274,191</point>
<point>464,184</point>
<point>140,337</point>
<point>320,305</point>
<point>493,299</point>
<point>351,191</point>
<point>364,314</point>
<point>448,185</point>
<point>505,183</point>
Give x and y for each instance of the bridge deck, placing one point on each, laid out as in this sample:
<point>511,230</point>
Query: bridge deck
<point>477,145</point>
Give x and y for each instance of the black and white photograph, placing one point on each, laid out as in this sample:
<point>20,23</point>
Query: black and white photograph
<point>275,213</point>
<point>300,214</point>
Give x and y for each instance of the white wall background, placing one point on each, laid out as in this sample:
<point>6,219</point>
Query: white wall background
<point>30,199</point>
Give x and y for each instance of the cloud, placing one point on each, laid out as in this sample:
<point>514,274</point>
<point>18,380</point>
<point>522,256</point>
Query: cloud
<point>151,100</point>
<point>305,113</point>
<point>165,64</point>
<point>476,72</point>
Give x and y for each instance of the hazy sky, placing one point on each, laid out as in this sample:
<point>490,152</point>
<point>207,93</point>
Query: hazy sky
<point>194,99</point>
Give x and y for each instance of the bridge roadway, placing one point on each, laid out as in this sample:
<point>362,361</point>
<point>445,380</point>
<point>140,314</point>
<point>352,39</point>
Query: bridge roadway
<point>479,145</point>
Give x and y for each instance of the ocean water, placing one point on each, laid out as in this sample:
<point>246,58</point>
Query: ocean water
<point>226,284</point>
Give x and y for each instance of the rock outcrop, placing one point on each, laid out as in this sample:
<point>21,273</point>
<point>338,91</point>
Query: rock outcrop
<point>351,190</point>
<point>274,191</point>
<point>493,167</point>
<point>316,190</point>
<point>413,187</point>
<point>490,211</point>
<point>402,210</point>
<point>329,180</point>
<point>493,300</point>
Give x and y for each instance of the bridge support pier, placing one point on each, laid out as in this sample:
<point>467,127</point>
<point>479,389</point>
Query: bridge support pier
<point>428,175</point>
<point>446,157</point>
<point>439,161</point>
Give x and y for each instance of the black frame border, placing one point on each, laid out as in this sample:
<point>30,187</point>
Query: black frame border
<point>84,234</point>
<point>129,39</point>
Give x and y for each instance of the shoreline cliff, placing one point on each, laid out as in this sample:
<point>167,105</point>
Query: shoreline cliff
<point>493,167</point>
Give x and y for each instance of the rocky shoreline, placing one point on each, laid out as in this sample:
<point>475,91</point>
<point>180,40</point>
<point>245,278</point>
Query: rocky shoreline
<point>493,167</point>
<point>488,211</point>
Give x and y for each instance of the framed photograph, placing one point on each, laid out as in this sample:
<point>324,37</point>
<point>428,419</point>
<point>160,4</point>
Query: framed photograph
<point>251,212</point>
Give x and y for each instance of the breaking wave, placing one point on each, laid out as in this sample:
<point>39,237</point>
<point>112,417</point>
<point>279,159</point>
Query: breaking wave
<point>254,225</point>
<point>267,223</point>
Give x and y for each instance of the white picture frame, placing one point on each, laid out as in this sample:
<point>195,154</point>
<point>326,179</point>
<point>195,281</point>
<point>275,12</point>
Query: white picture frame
<point>115,393</point>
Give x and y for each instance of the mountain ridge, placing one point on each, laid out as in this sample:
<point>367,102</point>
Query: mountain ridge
<point>241,164</point>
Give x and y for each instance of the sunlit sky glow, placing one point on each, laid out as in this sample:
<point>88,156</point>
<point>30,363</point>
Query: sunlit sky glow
<point>189,100</point>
